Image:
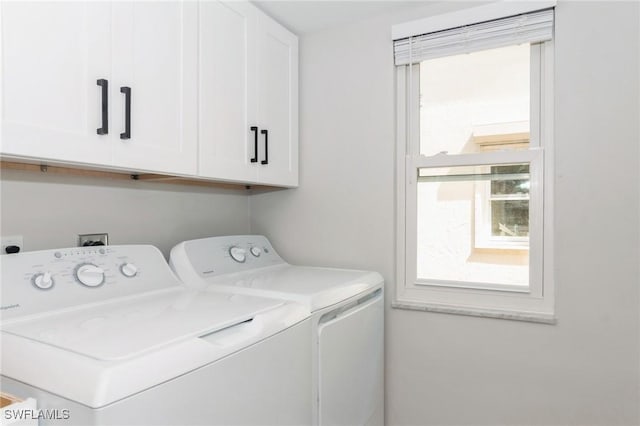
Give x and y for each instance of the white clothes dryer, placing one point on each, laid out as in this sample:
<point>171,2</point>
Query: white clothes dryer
<point>109,336</point>
<point>347,314</point>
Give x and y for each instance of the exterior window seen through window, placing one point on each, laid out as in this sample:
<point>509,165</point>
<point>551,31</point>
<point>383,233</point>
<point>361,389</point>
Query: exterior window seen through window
<point>510,201</point>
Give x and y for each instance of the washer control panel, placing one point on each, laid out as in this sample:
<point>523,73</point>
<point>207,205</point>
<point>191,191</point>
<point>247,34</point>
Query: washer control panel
<point>42,281</point>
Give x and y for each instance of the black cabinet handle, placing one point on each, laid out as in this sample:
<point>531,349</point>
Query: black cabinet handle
<point>127,112</point>
<point>105,106</point>
<point>266,146</point>
<point>254,129</point>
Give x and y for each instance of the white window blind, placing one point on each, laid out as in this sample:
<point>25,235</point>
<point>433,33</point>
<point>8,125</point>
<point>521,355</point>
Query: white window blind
<point>529,27</point>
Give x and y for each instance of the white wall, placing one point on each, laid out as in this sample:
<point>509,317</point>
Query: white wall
<point>50,210</point>
<point>448,369</point>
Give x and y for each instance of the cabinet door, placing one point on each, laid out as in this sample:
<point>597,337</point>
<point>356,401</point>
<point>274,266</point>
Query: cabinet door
<point>155,55</point>
<point>53,53</point>
<point>277,103</point>
<point>227,104</point>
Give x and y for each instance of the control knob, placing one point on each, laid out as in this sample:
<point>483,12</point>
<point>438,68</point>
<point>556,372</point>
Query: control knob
<point>238,254</point>
<point>129,270</point>
<point>90,275</point>
<point>256,251</point>
<point>43,281</point>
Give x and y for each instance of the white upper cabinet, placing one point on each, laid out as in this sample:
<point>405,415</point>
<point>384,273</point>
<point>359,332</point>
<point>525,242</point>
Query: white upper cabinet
<point>206,89</point>
<point>52,56</point>
<point>55,55</point>
<point>227,101</point>
<point>248,105</point>
<point>155,59</point>
<point>277,103</point>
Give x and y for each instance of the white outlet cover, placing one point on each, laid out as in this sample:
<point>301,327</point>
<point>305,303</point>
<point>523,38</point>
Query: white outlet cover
<point>15,240</point>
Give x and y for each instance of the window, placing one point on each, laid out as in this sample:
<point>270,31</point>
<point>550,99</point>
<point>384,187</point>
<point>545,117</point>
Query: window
<point>508,203</point>
<point>475,167</point>
<point>502,204</point>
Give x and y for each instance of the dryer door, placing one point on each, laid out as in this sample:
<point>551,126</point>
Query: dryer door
<point>351,364</point>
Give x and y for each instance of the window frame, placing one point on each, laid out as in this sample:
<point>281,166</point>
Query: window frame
<point>537,304</point>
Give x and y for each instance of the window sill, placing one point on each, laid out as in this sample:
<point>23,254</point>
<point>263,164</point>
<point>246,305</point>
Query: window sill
<point>499,249</point>
<point>535,317</point>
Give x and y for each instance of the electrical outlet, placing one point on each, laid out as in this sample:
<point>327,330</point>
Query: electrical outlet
<point>85,240</point>
<point>15,240</point>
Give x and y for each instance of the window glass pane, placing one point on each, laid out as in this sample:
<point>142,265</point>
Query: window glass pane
<point>465,98</point>
<point>510,218</point>
<point>518,186</point>
<point>464,235</point>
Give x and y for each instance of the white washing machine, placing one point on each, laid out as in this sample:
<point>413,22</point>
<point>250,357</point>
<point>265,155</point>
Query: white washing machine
<point>109,336</point>
<point>347,317</point>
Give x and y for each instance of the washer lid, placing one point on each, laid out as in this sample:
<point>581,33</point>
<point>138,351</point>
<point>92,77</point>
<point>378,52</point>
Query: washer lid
<point>130,327</point>
<point>315,287</point>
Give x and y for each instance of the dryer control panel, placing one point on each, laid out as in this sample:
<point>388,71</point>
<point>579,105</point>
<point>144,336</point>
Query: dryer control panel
<point>50,280</point>
<point>224,255</point>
